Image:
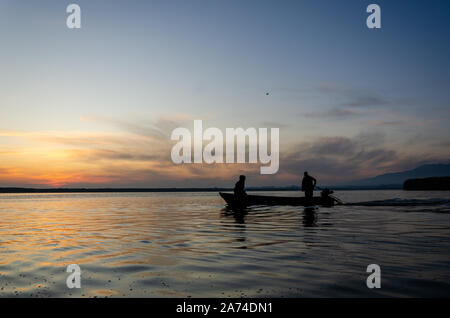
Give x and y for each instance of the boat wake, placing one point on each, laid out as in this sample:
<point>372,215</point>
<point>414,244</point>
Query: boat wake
<point>404,202</point>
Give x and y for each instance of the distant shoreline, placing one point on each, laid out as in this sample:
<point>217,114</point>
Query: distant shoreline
<point>106,190</point>
<point>428,184</point>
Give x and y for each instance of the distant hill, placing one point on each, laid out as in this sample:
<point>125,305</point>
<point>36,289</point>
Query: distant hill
<point>397,178</point>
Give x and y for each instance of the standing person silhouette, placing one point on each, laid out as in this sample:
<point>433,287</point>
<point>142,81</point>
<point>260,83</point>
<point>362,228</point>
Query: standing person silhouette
<point>308,185</point>
<point>239,188</point>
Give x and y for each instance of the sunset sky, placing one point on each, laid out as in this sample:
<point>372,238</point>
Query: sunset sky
<point>95,107</point>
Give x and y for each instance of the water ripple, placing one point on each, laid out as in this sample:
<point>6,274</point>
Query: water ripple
<point>188,244</point>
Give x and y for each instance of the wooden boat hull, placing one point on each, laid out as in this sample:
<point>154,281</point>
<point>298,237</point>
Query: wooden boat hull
<point>275,200</point>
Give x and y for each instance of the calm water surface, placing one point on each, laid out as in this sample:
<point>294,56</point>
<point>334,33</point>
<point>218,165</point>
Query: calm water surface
<point>188,244</point>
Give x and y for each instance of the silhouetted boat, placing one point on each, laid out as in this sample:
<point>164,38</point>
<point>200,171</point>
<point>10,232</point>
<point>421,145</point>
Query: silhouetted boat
<point>275,200</point>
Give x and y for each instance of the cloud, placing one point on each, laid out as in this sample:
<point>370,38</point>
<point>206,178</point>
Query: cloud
<point>364,100</point>
<point>125,154</point>
<point>134,160</point>
<point>160,128</point>
<point>339,159</point>
<point>353,97</point>
<point>332,146</point>
<point>78,138</point>
<point>145,130</point>
<point>273,124</point>
<point>334,113</point>
<point>389,123</point>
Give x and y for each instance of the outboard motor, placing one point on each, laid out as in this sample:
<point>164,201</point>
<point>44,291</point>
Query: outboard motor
<point>328,198</point>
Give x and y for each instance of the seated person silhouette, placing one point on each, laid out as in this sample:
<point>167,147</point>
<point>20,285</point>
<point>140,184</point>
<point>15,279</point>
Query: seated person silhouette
<point>308,185</point>
<point>326,193</point>
<point>239,189</point>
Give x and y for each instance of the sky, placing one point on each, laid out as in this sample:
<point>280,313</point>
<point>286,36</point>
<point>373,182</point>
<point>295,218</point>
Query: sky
<point>95,106</point>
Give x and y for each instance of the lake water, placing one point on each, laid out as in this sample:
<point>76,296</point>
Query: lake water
<point>188,244</point>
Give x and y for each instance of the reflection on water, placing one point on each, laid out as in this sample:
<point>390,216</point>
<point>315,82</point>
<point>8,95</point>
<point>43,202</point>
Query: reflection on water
<point>188,244</point>
<point>309,217</point>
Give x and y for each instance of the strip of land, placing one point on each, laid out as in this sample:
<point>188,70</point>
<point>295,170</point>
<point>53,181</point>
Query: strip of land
<point>216,189</point>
